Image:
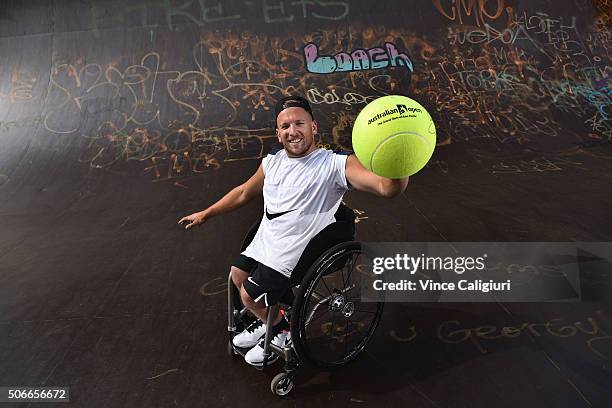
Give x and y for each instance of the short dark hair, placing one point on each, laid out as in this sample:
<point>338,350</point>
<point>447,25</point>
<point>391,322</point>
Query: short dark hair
<point>292,101</point>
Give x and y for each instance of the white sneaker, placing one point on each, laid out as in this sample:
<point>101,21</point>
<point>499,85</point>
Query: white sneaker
<point>251,335</point>
<point>255,355</point>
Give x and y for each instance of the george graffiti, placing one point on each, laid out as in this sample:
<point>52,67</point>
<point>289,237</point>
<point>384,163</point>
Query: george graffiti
<point>454,332</point>
<point>483,337</point>
<point>357,60</point>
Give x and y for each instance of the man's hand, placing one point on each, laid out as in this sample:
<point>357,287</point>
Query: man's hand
<point>194,219</point>
<point>236,198</point>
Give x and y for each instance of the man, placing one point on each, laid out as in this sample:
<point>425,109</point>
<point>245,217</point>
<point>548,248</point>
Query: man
<point>302,187</point>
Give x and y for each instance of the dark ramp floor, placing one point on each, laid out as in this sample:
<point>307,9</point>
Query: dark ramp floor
<point>101,291</point>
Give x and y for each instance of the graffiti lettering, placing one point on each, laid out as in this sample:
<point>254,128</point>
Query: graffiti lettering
<point>479,10</point>
<point>21,86</point>
<point>317,96</point>
<point>172,13</point>
<point>207,14</point>
<point>488,35</point>
<point>452,332</point>
<point>358,60</point>
<point>7,126</point>
<point>325,10</point>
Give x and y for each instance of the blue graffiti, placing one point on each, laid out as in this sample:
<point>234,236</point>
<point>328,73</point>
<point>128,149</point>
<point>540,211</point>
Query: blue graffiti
<point>599,99</point>
<point>358,60</point>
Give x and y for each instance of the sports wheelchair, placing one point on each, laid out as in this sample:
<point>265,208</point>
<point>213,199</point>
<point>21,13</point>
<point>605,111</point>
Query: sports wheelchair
<point>330,325</point>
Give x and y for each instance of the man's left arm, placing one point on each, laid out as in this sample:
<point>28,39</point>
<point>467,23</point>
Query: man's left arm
<point>363,179</point>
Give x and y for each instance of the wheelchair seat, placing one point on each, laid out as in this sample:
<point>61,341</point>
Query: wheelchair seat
<point>342,230</point>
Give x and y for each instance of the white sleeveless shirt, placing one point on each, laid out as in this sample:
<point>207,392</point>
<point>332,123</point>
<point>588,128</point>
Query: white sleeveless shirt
<point>301,196</point>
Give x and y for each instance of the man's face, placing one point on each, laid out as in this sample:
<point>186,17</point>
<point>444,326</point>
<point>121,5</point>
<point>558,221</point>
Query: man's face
<point>296,130</point>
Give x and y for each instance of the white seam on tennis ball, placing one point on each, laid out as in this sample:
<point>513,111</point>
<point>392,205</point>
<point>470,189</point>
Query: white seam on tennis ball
<point>389,137</point>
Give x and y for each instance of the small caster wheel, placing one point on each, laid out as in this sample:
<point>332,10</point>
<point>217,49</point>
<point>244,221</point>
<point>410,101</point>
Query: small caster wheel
<point>230,349</point>
<point>281,384</point>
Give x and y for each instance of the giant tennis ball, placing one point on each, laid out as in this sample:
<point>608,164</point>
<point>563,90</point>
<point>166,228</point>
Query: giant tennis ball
<point>394,136</point>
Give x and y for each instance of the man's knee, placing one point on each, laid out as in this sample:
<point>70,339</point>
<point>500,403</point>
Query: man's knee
<point>247,300</point>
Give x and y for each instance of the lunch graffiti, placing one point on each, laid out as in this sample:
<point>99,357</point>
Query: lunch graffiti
<point>358,60</point>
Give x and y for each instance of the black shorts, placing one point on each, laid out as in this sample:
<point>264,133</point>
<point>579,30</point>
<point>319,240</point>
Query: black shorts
<point>271,284</point>
<point>263,282</point>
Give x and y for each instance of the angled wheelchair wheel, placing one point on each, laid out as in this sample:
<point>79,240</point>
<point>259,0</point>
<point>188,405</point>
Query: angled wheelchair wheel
<point>330,323</point>
<point>281,384</point>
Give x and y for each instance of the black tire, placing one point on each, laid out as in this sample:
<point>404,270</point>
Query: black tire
<point>281,384</point>
<point>330,324</point>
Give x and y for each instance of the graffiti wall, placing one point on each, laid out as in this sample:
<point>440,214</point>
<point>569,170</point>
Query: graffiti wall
<point>178,89</point>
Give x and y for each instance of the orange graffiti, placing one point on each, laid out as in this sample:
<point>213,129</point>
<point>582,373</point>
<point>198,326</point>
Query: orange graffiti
<point>480,10</point>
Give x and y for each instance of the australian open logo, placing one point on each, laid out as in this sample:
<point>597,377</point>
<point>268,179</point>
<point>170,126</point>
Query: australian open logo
<point>400,109</point>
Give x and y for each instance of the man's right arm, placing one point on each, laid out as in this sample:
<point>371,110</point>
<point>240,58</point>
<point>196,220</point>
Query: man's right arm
<point>236,198</point>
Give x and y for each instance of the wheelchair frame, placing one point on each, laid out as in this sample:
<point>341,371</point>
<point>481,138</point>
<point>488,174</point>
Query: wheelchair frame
<point>337,302</point>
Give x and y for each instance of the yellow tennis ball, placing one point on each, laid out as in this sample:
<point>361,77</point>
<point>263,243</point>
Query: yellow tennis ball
<point>394,136</point>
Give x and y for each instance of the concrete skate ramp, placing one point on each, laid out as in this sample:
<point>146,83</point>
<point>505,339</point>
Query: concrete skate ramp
<point>119,117</point>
